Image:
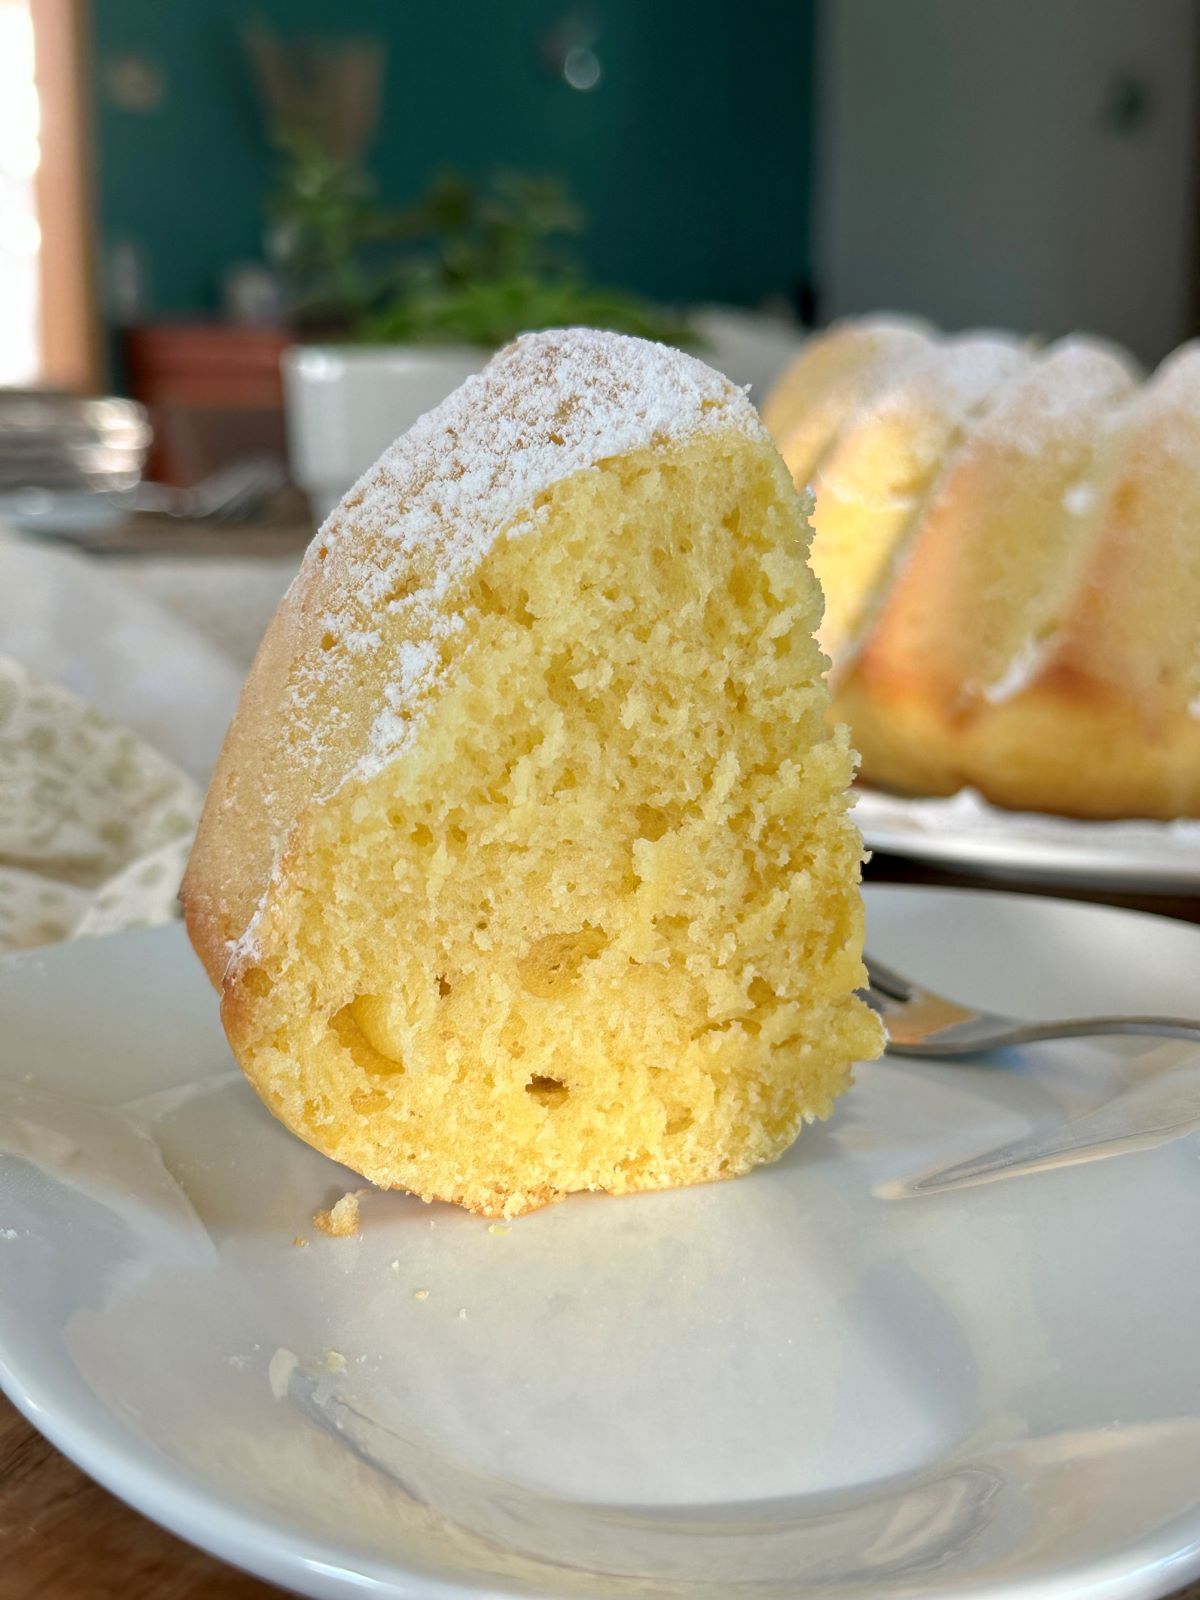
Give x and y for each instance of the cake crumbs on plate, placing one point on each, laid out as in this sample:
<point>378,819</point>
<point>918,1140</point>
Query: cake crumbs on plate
<point>420,1294</point>
<point>498,1227</point>
<point>462,1313</point>
<point>300,1242</point>
<point>341,1220</point>
<point>334,1361</point>
<point>9,1233</point>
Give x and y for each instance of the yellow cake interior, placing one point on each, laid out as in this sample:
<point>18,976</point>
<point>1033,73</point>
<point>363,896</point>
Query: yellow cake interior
<point>597,923</point>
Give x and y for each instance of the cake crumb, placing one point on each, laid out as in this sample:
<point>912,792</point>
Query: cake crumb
<point>498,1227</point>
<point>279,1371</point>
<point>420,1294</point>
<point>341,1220</point>
<point>8,1233</point>
<point>334,1361</point>
<point>300,1242</point>
<point>396,1264</point>
<point>462,1313</point>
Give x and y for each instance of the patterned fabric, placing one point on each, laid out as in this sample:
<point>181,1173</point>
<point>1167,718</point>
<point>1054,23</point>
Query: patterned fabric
<point>95,825</point>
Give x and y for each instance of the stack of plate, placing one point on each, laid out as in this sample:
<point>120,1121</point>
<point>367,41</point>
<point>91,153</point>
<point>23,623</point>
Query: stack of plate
<point>63,444</point>
<point>62,458</point>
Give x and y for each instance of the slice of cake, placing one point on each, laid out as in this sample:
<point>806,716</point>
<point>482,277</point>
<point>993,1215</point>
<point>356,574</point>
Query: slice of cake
<point>526,867</point>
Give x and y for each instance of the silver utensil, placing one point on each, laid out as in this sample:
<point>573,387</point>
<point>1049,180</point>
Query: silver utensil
<point>922,1023</point>
<point>231,494</point>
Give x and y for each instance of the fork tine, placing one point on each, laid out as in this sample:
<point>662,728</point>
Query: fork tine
<point>888,982</point>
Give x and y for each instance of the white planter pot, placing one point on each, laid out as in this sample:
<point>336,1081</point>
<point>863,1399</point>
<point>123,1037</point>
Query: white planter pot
<point>347,403</point>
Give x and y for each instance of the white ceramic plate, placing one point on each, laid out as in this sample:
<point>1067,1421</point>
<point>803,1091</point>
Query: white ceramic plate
<point>943,1348</point>
<point>966,832</point>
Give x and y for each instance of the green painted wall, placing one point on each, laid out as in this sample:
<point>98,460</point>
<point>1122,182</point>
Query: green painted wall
<point>691,157</point>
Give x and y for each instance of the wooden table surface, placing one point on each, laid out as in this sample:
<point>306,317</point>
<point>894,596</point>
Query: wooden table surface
<point>62,1537</point>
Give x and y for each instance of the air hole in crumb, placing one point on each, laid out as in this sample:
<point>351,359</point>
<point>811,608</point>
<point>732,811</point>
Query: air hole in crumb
<point>559,675</point>
<point>652,822</point>
<point>678,1122</point>
<point>760,992</point>
<point>488,600</point>
<point>742,584</point>
<point>555,438</point>
<point>322,552</point>
<point>256,982</point>
<point>549,1091</point>
<point>492,604</point>
<point>421,835</point>
<point>346,1025</point>
<point>327,641</point>
<point>553,963</point>
<point>443,987</point>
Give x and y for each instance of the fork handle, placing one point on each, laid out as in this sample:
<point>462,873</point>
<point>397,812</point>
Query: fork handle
<point>1163,1027</point>
<point>1033,1032</point>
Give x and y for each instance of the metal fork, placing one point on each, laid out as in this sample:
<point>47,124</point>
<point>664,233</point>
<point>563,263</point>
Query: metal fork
<point>922,1023</point>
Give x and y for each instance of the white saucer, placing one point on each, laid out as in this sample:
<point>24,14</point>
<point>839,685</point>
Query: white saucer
<point>964,831</point>
<point>942,1348</point>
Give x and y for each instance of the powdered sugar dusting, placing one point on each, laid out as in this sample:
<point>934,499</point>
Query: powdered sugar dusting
<point>907,422</point>
<point>546,408</point>
<point>1020,672</point>
<point>1079,499</point>
<point>551,405</point>
<point>1060,395</point>
<point>1170,404</point>
<point>947,383</point>
<point>974,364</point>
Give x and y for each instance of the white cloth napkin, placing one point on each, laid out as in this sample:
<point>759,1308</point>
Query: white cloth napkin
<point>95,824</point>
<point>117,683</point>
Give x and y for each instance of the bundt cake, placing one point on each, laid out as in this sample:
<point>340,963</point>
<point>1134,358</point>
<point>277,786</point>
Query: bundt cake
<point>1009,544</point>
<point>526,867</point>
